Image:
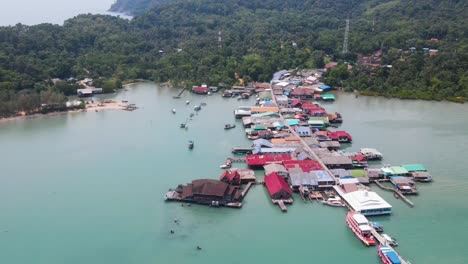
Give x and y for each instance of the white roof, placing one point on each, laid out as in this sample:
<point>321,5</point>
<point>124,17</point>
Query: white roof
<point>365,228</point>
<point>370,151</point>
<point>365,200</point>
<point>349,181</point>
<point>282,84</point>
<point>360,219</point>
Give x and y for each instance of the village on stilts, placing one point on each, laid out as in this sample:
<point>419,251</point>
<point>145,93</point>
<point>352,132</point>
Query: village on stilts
<point>297,144</point>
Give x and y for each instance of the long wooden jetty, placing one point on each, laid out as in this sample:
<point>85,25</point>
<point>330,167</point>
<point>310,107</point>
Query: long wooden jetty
<point>382,241</point>
<point>395,191</point>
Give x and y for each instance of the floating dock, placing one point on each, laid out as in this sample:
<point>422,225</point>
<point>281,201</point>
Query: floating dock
<point>382,241</point>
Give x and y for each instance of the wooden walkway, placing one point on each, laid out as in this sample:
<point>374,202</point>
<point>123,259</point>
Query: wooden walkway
<point>384,242</point>
<point>304,144</point>
<point>397,192</point>
<point>247,188</point>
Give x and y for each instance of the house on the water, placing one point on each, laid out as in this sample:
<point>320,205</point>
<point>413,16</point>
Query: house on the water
<point>277,187</point>
<point>204,89</point>
<point>231,177</point>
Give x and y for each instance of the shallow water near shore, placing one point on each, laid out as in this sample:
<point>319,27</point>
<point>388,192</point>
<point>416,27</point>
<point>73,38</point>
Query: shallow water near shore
<point>88,187</point>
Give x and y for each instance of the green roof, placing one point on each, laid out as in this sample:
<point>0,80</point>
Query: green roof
<point>358,173</point>
<point>259,128</point>
<point>414,167</point>
<point>292,122</point>
<point>321,118</point>
<point>328,96</point>
<point>397,170</point>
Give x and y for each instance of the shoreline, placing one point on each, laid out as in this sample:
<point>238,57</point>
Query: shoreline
<point>89,107</point>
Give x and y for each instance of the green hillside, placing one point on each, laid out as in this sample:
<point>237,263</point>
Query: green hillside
<point>178,41</point>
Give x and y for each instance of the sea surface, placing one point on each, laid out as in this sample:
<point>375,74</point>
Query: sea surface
<point>32,12</point>
<point>87,188</point>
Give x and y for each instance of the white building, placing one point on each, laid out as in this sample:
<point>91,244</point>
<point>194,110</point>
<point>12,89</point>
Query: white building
<point>365,202</point>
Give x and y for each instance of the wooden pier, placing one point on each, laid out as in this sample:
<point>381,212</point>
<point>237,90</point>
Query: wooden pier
<point>395,191</point>
<point>180,93</point>
<point>247,188</point>
<point>382,241</point>
<point>281,204</point>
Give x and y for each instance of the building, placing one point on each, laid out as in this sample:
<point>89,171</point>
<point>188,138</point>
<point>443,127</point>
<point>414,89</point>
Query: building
<point>340,136</point>
<point>337,162</point>
<point>88,92</point>
<point>277,187</point>
<point>204,89</point>
<point>282,101</point>
<point>276,168</point>
<point>365,202</point>
<point>305,165</point>
<point>324,179</point>
<point>256,160</point>
<point>394,171</point>
<point>209,192</point>
<point>231,177</point>
<point>298,178</point>
<point>303,131</point>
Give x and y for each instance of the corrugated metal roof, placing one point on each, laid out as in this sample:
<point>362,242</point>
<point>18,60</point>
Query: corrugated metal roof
<point>414,167</point>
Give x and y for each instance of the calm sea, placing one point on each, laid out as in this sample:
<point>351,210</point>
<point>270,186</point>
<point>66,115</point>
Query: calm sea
<point>88,187</point>
<point>32,12</point>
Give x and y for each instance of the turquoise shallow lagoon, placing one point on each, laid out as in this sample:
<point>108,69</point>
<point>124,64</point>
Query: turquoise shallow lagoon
<point>88,187</point>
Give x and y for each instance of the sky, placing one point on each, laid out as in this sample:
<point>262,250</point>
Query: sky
<point>31,12</point>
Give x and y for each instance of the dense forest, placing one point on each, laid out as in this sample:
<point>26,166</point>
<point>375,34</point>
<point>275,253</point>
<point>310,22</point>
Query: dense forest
<point>179,41</point>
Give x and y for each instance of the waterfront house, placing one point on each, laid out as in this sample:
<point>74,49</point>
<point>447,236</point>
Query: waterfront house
<point>340,136</point>
<point>231,177</point>
<point>209,192</point>
<point>328,97</point>
<point>303,131</point>
<point>324,179</point>
<point>403,184</point>
<point>305,165</point>
<point>394,171</point>
<point>340,173</point>
<point>298,178</point>
<point>277,187</point>
<point>276,168</point>
<point>256,160</point>
<point>337,162</point>
<point>204,89</point>
<point>330,145</point>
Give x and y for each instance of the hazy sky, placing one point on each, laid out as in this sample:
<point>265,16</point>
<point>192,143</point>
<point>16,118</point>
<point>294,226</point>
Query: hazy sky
<point>32,12</point>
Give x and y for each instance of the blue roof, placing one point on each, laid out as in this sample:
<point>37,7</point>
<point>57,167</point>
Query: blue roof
<point>393,257</point>
<point>323,176</point>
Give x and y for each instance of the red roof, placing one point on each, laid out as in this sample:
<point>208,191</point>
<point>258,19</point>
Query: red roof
<point>276,183</point>
<point>261,160</point>
<point>337,134</point>
<point>359,157</point>
<point>200,89</point>
<point>229,175</point>
<point>331,65</point>
<point>305,165</point>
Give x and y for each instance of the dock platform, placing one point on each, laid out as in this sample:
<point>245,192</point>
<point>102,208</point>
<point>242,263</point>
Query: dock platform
<point>396,192</point>
<point>247,188</point>
<point>281,203</point>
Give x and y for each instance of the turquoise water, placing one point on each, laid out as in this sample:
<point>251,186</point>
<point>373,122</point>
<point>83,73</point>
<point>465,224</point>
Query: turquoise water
<point>88,187</point>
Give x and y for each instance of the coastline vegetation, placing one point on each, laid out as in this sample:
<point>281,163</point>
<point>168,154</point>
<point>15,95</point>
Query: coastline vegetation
<point>177,41</point>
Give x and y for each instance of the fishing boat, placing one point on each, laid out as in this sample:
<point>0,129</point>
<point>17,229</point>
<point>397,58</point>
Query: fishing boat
<point>336,202</point>
<point>187,102</point>
<point>197,108</point>
<point>229,126</point>
<point>183,125</point>
<point>190,144</point>
<point>388,255</point>
<point>173,110</point>
<point>390,241</point>
<point>359,224</point>
<point>377,226</point>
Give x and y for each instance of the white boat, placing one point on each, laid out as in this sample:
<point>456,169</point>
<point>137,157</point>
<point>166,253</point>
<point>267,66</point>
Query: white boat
<point>390,241</point>
<point>173,110</point>
<point>337,202</point>
<point>187,102</point>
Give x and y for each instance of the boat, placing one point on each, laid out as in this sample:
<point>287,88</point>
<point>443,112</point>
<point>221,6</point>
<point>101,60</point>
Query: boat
<point>197,108</point>
<point>183,125</point>
<point>229,126</point>
<point>304,191</point>
<point>190,144</point>
<point>203,104</point>
<point>336,202</point>
<point>173,110</point>
<point>359,224</point>
<point>388,255</point>
<point>316,195</point>
<point>390,241</point>
<point>377,226</point>
<point>176,97</point>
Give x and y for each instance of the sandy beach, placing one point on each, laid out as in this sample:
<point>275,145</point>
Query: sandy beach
<point>89,107</point>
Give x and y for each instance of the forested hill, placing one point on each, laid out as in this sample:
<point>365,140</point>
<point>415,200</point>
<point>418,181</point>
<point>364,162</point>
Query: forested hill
<point>178,41</point>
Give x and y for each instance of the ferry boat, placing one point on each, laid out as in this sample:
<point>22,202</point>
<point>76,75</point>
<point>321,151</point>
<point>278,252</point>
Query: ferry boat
<point>388,255</point>
<point>359,224</point>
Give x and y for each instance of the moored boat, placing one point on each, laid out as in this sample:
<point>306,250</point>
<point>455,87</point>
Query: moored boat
<point>190,144</point>
<point>173,110</point>
<point>377,226</point>
<point>336,202</point>
<point>388,255</point>
<point>359,224</point>
<point>390,241</point>
<point>229,126</point>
